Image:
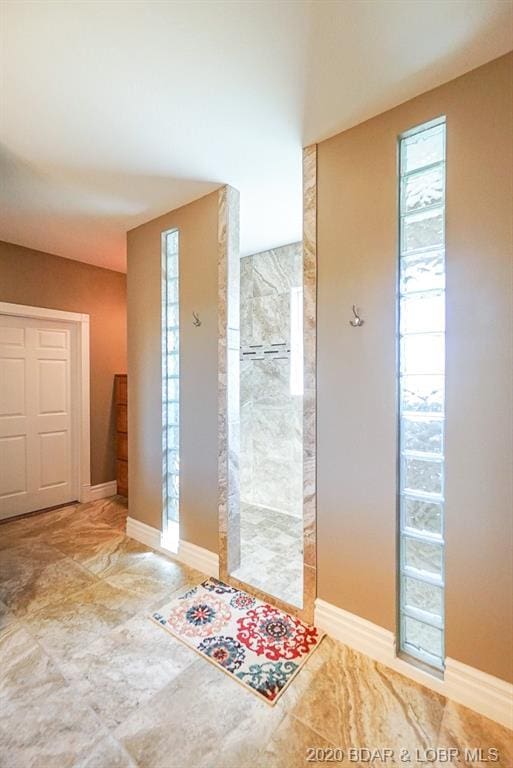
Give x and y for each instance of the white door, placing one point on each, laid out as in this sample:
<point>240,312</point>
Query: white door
<point>38,466</point>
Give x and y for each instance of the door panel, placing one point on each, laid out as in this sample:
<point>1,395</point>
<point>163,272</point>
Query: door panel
<point>38,466</point>
<point>53,386</point>
<point>53,453</point>
<point>12,387</point>
<point>13,460</point>
<point>11,336</point>
<point>53,339</point>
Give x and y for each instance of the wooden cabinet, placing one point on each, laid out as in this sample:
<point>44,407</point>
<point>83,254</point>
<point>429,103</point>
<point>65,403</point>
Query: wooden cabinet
<point>121,404</point>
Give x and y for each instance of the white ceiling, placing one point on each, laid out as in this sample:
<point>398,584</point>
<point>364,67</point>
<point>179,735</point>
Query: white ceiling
<point>115,112</point>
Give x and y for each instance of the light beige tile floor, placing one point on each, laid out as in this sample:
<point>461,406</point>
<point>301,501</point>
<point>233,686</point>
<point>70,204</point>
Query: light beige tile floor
<point>271,552</point>
<point>87,681</point>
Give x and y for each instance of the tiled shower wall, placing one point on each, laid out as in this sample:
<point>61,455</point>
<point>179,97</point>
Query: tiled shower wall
<point>271,456</point>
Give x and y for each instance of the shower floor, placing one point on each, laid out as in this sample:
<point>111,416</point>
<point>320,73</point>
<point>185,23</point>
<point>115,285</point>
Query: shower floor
<point>271,552</point>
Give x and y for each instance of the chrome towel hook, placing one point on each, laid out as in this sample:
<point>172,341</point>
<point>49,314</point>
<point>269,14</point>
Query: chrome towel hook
<point>357,321</point>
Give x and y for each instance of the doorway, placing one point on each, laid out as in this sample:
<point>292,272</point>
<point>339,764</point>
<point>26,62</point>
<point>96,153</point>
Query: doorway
<point>267,459</point>
<point>271,422</point>
<point>44,409</point>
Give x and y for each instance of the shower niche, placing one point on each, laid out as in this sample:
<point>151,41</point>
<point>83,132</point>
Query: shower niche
<point>267,502</point>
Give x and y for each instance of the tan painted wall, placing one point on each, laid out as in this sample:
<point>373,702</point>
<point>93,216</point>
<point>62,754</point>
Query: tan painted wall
<point>42,280</point>
<point>357,253</point>
<point>197,223</point>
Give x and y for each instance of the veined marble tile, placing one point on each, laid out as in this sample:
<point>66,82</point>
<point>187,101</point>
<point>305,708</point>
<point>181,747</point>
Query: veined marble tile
<point>24,529</point>
<point>43,723</point>
<point>461,728</point>
<point>108,753</point>
<point>228,262</point>
<point>123,669</point>
<point>7,618</point>
<point>147,562</point>
<point>271,440</point>
<point>68,538</point>
<point>112,511</point>
<point>101,549</point>
<point>290,745</point>
<point>50,731</point>
<point>272,482</point>
<point>277,270</point>
<point>246,322</point>
<point>201,719</point>
<point>102,514</point>
<point>271,553</point>
<point>33,575</point>
<point>65,627</point>
<point>151,576</point>
<point>246,390</point>
<point>9,534</point>
<point>275,424</point>
<point>246,280</point>
<point>42,525</point>
<point>26,671</point>
<point>356,702</point>
<point>270,319</point>
<point>267,382</point>
<point>309,372</point>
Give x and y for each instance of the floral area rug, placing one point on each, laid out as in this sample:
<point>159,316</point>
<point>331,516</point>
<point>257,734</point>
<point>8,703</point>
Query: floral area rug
<point>260,646</point>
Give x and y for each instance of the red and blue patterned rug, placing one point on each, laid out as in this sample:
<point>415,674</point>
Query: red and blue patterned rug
<point>260,646</point>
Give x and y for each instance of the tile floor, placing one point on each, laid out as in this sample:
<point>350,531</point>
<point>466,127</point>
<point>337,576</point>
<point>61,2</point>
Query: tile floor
<point>271,552</point>
<point>87,681</point>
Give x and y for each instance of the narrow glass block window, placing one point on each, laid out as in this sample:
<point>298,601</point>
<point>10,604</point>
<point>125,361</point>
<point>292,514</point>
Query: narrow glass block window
<point>422,391</point>
<point>170,389</point>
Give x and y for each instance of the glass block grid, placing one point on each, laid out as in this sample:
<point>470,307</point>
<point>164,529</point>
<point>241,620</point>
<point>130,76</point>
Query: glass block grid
<point>170,382</point>
<point>422,392</point>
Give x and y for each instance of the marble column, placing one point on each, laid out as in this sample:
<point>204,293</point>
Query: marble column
<point>309,399</point>
<point>229,380</point>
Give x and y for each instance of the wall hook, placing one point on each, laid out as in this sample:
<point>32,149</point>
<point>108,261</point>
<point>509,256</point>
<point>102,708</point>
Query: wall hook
<point>196,320</point>
<point>357,321</point>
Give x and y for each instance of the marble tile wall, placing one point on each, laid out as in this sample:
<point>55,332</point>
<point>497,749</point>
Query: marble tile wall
<point>271,417</point>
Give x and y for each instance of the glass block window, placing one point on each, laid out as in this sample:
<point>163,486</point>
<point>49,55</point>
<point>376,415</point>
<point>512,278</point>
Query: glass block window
<point>422,391</point>
<point>170,388</point>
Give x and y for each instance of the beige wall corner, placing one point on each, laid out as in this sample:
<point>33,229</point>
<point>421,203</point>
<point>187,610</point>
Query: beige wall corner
<point>197,223</point>
<point>40,279</point>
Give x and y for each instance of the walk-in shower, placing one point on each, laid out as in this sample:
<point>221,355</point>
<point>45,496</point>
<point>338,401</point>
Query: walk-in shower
<point>267,409</point>
<point>271,422</point>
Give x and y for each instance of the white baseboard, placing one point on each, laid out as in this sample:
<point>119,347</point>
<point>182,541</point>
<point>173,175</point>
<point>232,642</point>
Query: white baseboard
<point>352,630</point>
<point>97,492</point>
<point>189,554</point>
<point>199,558</point>
<point>477,690</point>
<point>482,692</point>
<point>146,534</point>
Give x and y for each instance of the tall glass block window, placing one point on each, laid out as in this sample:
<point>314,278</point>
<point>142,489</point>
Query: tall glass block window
<point>170,388</point>
<point>422,392</point>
